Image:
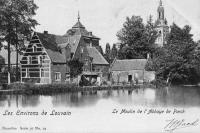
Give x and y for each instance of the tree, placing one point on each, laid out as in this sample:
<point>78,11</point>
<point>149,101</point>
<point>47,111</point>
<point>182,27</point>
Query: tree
<point>151,35</point>
<point>2,62</point>
<point>16,22</point>
<point>76,67</point>
<point>114,52</point>
<point>137,38</point>
<point>107,52</point>
<point>178,60</point>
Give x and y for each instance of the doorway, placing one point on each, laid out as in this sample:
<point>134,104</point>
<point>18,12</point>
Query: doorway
<point>129,78</point>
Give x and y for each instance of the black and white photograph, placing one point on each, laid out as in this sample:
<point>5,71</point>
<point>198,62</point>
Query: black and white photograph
<point>99,66</point>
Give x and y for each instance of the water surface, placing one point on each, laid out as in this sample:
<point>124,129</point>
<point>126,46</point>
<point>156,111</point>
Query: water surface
<point>166,97</point>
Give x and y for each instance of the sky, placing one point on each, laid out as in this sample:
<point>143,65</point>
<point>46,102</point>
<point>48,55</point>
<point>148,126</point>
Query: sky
<point>106,17</point>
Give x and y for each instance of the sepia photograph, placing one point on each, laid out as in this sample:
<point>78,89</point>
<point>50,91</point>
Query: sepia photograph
<point>99,66</point>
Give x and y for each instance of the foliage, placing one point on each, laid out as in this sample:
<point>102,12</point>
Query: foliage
<point>107,52</point>
<point>114,52</point>
<point>137,38</point>
<point>13,74</point>
<point>2,60</point>
<point>16,22</point>
<point>16,19</point>
<point>178,61</point>
<point>76,67</point>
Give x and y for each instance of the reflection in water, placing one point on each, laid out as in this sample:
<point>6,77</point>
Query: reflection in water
<point>177,96</point>
<point>77,99</point>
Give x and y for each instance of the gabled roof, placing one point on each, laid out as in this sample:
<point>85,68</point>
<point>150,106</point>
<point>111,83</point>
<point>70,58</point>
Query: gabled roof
<point>128,64</point>
<point>73,41</point>
<point>96,55</point>
<point>74,35</point>
<point>56,56</point>
<point>50,43</point>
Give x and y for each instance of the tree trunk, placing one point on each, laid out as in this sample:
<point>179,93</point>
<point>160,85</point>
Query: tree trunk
<point>8,62</point>
<point>17,58</point>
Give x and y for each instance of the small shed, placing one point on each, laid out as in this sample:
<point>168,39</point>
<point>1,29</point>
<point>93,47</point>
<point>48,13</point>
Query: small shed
<point>130,70</point>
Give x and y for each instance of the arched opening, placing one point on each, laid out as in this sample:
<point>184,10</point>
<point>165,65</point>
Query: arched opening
<point>34,48</point>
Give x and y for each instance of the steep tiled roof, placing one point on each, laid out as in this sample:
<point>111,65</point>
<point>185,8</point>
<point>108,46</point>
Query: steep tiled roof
<point>56,56</point>
<point>96,55</point>
<point>79,29</point>
<point>78,25</point>
<point>73,41</point>
<point>127,65</point>
<point>51,42</point>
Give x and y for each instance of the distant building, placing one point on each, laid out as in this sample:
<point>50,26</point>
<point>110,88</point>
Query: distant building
<point>130,70</point>
<point>46,57</point>
<point>161,26</point>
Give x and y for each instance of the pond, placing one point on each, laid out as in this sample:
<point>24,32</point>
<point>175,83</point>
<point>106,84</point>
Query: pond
<point>166,97</point>
<point>93,111</point>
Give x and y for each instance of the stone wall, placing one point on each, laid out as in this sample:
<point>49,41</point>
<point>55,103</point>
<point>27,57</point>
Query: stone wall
<point>125,76</point>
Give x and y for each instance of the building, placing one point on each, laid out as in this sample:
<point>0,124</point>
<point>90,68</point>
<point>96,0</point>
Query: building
<point>161,26</point>
<point>47,55</point>
<point>130,70</point>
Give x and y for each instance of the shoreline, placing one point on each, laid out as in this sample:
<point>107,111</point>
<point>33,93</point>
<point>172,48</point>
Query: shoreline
<point>58,88</point>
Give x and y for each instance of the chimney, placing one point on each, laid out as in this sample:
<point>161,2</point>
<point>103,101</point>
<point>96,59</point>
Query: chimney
<point>90,33</point>
<point>45,32</point>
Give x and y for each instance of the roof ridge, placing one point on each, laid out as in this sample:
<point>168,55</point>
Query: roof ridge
<point>128,59</point>
<point>50,34</point>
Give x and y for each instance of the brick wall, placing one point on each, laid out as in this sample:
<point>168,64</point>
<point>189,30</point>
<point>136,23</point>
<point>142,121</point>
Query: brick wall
<point>62,68</point>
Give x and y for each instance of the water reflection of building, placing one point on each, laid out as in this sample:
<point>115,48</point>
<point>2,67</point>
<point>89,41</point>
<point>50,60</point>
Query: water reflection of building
<point>75,99</point>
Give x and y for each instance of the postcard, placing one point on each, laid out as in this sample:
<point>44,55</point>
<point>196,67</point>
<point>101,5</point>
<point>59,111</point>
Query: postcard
<point>99,66</point>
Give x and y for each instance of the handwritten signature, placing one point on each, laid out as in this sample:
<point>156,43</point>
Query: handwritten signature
<point>174,124</point>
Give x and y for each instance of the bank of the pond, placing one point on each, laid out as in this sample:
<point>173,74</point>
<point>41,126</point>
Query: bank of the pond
<point>61,88</point>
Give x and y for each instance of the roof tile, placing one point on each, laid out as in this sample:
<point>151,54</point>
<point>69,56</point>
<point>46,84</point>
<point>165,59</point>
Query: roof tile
<point>129,64</point>
<point>96,55</point>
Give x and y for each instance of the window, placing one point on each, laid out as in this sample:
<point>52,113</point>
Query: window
<point>29,60</point>
<point>34,48</point>
<point>25,59</point>
<point>86,62</point>
<point>57,76</point>
<point>67,77</point>
<point>27,73</point>
<point>40,59</point>
<point>42,72</point>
